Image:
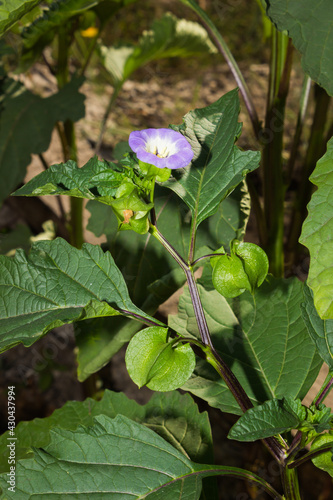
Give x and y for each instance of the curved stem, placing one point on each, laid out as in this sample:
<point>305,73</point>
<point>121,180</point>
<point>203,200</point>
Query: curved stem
<point>234,68</point>
<point>304,101</point>
<point>272,139</point>
<point>309,456</point>
<point>208,256</point>
<point>325,390</point>
<point>273,445</point>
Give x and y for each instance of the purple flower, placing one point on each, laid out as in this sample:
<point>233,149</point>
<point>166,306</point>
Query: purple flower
<point>161,147</point>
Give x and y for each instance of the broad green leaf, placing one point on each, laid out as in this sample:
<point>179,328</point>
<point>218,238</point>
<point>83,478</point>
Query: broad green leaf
<point>324,461</point>
<point>28,120</point>
<point>55,285</point>
<point>320,330</point>
<point>12,10</point>
<point>168,37</point>
<point>115,185</point>
<point>218,165</point>
<point>309,24</point>
<point>174,417</point>
<point>262,337</point>
<point>151,274</point>
<point>317,235</point>
<point>115,458</point>
<point>96,180</point>
<point>154,361</point>
<point>273,417</point>
<point>230,220</point>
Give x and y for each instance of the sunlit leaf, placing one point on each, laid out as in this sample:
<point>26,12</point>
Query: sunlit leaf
<point>114,457</point>
<point>174,417</point>
<point>57,284</point>
<point>273,417</point>
<point>12,10</point>
<point>317,235</point>
<point>320,330</point>
<point>218,165</point>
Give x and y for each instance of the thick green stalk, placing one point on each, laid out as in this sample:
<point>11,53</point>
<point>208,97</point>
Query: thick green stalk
<point>290,484</point>
<point>272,139</point>
<point>304,101</point>
<point>316,149</point>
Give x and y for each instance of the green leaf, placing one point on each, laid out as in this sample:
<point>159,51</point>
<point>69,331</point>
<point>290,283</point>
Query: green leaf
<point>173,416</point>
<point>230,220</point>
<point>96,180</point>
<point>12,10</point>
<point>119,458</point>
<point>273,417</point>
<point>262,337</point>
<point>154,361</point>
<point>317,235</point>
<point>28,120</point>
<point>168,37</point>
<point>323,461</point>
<point>218,165</point>
<point>55,285</point>
<point>320,330</point>
<point>309,24</point>
<point>114,185</point>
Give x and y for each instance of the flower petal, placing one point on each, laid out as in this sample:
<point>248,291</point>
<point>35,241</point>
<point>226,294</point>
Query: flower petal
<point>164,147</point>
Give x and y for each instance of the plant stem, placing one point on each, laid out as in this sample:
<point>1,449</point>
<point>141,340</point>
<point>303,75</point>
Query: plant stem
<point>272,139</point>
<point>198,310</point>
<point>299,126</point>
<point>212,356</point>
<point>290,484</point>
<point>234,68</point>
<point>90,52</point>
<point>325,390</point>
<point>312,454</point>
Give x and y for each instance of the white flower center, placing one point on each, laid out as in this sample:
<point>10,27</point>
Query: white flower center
<point>160,148</point>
